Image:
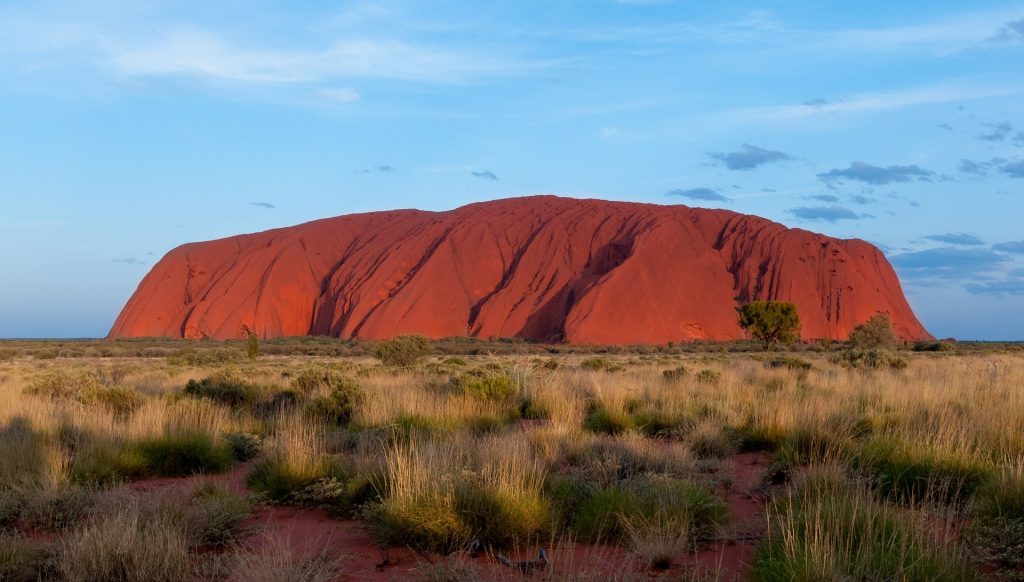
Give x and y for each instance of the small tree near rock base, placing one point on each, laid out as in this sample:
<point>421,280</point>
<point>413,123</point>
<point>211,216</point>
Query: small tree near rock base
<point>252,346</point>
<point>770,321</point>
<point>403,350</point>
<point>875,333</point>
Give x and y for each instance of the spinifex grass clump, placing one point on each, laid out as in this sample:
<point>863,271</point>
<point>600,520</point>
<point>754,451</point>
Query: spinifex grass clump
<point>914,472</point>
<point>634,509</point>
<point>226,387</point>
<point>131,540</point>
<point>339,403</point>
<point>436,496</point>
<point>182,453</point>
<point>294,458</point>
<point>494,386</point>
<point>824,528</point>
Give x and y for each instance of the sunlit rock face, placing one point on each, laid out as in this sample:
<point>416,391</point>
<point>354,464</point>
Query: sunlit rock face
<point>541,268</point>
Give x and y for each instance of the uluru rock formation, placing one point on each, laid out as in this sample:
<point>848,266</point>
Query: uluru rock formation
<point>540,267</point>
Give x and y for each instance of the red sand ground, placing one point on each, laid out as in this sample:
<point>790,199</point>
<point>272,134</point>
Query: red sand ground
<point>541,268</point>
<point>311,530</point>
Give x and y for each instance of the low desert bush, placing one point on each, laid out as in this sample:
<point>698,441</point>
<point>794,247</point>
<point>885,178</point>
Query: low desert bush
<point>218,515</point>
<point>204,357</point>
<point>245,446</point>
<point>870,359</point>
<point>710,377</point>
<point>403,350</point>
<point>607,513</point>
<point>318,378</point>
<point>182,453</point>
<point>225,387</point>
<point>790,363</point>
<point>932,346</point>
<point>341,495</point>
<point>62,383</point>
<point>676,373</point>
<point>605,420</point>
<point>119,400</point>
<point>495,386</point>
<point>340,403</point>
<point>99,462</point>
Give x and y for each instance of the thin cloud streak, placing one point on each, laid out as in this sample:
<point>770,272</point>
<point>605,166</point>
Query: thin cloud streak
<point>865,103</point>
<point>198,53</point>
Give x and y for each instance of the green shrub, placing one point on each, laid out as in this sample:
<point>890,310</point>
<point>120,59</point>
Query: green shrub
<point>183,453</point>
<point>281,480</point>
<point>533,409</point>
<point>603,515</point>
<point>119,400</point>
<point>316,378</point>
<point>224,387</point>
<point>106,463</point>
<point>403,350</point>
<point>338,406</point>
<point>676,373</point>
<point>453,361</point>
<point>875,333</point>
<point>244,446</point>
<point>204,357</point>
<point>710,377</point>
<point>496,386</point>
<point>602,420</point>
<point>430,499</point>
<point>61,383</point>
<point>932,346</point>
<point>872,359</point>
<point>341,497</point>
<point>790,363</point>
<point>218,515</point>
<point>599,363</point>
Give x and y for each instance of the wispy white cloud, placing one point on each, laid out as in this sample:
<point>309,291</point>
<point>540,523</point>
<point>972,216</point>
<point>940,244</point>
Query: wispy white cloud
<point>867,103</point>
<point>340,94</point>
<point>192,52</point>
<point>947,35</point>
<point>944,35</point>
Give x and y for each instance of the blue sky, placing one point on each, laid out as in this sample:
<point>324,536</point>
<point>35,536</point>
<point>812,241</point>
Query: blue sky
<point>128,128</point>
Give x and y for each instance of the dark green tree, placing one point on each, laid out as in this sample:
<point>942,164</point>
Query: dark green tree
<point>876,332</point>
<point>252,346</point>
<point>770,321</point>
